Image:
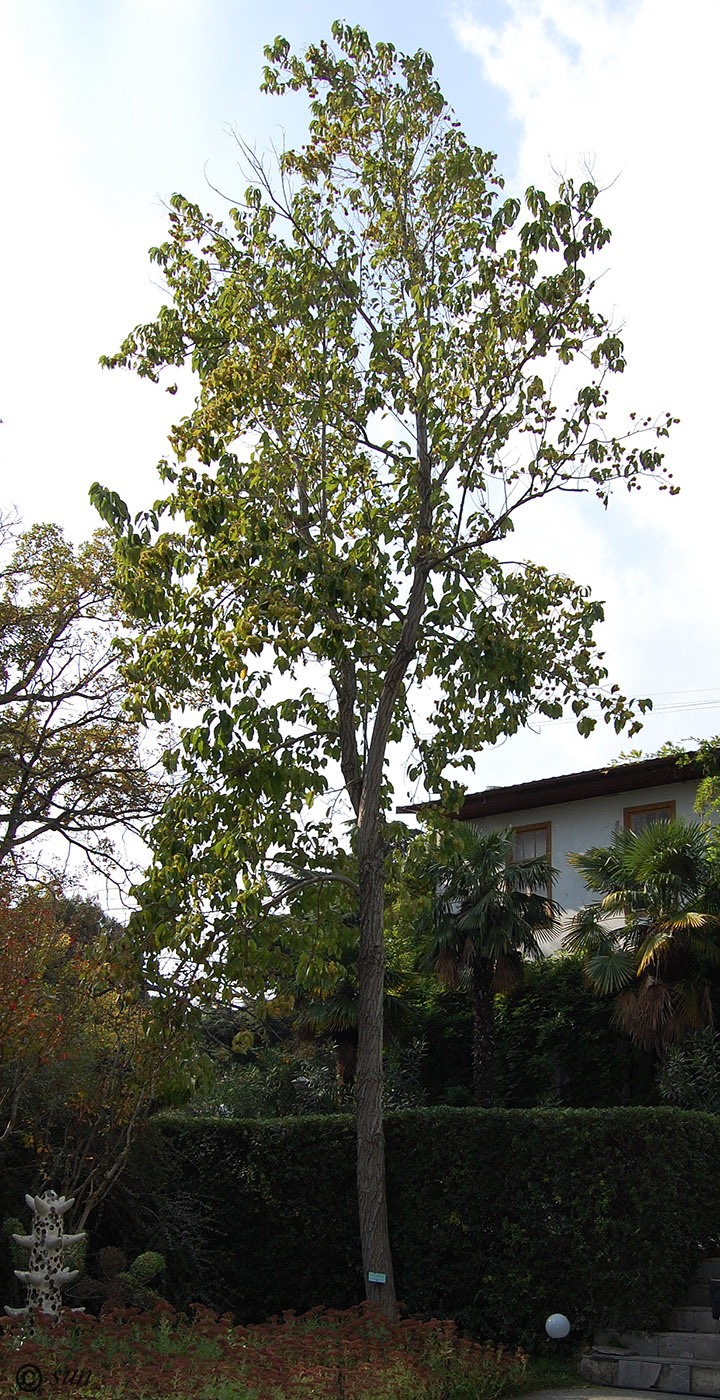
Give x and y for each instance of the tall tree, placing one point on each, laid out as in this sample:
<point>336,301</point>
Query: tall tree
<point>483,914</point>
<point>380,339</point>
<point>650,937</point>
<point>74,766</point>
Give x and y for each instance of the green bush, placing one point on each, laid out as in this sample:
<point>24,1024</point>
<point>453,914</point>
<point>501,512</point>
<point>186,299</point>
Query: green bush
<point>446,1029</point>
<point>272,1082</point>
<point>689,1074</point>
<point>277,1082</point>
<point>497,1217</point>
<point>557,1045</point>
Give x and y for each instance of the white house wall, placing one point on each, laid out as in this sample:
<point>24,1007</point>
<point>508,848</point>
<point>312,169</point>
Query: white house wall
<point>590,821</point>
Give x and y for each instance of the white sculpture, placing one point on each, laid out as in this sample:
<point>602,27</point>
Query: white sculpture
<point>45,1276</point>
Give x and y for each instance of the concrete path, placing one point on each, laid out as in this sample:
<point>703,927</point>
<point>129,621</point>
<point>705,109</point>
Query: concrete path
<point>599,1392</point>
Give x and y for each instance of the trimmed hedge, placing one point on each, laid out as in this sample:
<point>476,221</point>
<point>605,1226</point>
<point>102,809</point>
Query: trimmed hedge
<point>251,1215</point>
<point>498,1217</point>
<point>511,1215</point>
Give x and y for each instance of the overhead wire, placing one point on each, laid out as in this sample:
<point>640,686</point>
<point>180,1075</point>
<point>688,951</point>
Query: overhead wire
<point>672,707</point>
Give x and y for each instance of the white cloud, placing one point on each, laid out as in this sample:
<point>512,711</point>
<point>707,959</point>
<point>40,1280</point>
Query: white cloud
<point>546,44</point>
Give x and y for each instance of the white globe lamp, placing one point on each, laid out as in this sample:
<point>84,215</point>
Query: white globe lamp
<point>557,1326</point>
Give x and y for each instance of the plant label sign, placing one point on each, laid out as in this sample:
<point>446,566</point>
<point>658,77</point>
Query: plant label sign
<point>377,1278</point>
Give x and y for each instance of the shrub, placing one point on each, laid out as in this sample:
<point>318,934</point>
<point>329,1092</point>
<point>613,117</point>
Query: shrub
<point>557,1045</point>
<point>497,1217</point>
<point>115,1285</point>
<point>272,1082</point>
<point>689,1075</point>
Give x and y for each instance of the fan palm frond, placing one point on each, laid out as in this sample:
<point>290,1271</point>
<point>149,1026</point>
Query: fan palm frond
<point>603,867</point>
<point>623,901</point>
<point>672,854</point>
<point>587,932</point>
<point>683,919</point>
<point>540,913</point>
<point>609,970</point>
<point>533,874</point>
<point>703,945</point>
<point>655,943</point>
<point>694,1005</point>
<point>664,882</point>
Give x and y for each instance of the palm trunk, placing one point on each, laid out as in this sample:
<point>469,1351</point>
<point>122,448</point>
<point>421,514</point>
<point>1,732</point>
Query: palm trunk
<point>372,1202</point>
<point>483,1006</point>
<point>345,1051</point>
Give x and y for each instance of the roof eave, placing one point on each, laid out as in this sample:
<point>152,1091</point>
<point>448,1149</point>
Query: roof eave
<point>573,787</point>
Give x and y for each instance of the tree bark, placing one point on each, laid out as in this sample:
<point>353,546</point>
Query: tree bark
<point>483,1006</point>
<point>372,1201</point>
<point>367,800</point>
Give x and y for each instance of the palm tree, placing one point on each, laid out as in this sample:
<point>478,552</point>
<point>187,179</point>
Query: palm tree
<point>329,1013</point>
<point>484,914</point>
<point>656,925</point>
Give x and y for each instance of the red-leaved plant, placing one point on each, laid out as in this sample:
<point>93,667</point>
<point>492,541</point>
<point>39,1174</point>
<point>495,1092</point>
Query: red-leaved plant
<point>356,1354</point>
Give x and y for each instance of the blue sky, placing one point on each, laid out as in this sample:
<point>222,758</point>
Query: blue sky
<point>108,106</point>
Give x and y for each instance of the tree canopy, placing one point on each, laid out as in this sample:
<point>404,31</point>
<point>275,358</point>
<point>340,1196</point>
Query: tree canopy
<point>73,767</point>
<point>393,359</point>
<point>85,1055</point>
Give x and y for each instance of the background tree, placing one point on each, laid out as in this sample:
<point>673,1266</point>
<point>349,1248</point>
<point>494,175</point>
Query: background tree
<point>651,937</point>
<point>380,339</point>
<point>483,915</point>
<point>85,1056</point>
<point>31,1029</point>
<point>73,764</point>
<point>328,1012</point>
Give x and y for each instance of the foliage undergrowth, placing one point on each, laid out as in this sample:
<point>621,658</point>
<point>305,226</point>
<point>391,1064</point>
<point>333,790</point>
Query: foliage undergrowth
<point>547,1372</point>
<point>322,1355</point>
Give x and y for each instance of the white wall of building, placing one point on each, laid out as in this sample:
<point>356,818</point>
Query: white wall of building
<point>579,825</point>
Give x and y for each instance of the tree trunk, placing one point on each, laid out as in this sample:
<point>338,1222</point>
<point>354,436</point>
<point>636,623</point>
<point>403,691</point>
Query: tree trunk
<point>372,1203</point>
<point>345,1051</point>
<point>483,1007</point>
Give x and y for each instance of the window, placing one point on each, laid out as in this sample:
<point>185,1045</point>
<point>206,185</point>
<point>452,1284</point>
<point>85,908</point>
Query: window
<point>532,842</point>
<point>638,818</point>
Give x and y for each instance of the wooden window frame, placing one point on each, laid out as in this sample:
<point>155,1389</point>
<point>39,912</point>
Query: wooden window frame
<point>629,812</point>
<point>539,826</point>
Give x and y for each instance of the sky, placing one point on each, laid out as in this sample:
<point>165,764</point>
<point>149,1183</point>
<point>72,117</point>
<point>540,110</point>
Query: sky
<point>109,106</point>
